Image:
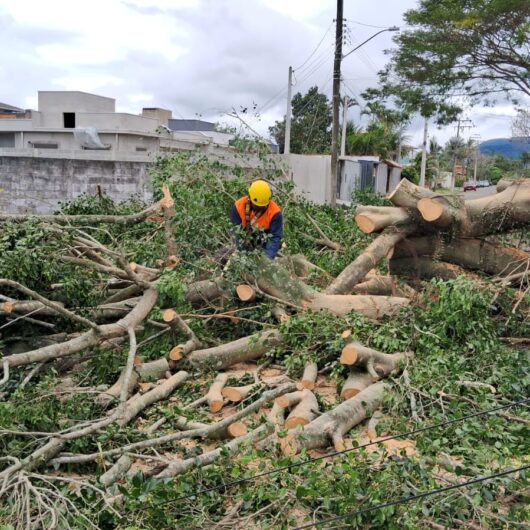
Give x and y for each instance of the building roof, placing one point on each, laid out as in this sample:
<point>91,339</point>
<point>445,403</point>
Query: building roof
<point>391,163</point>
<point>10,108</point>
<point>191,125</point>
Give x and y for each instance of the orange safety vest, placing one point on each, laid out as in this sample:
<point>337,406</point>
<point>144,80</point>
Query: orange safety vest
<point>262,221</point>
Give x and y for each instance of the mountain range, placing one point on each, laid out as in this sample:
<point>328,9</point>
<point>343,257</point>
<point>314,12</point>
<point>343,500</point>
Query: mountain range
<point>508,147</point>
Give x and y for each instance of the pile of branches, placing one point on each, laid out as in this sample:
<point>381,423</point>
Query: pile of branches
<point>424,235</point>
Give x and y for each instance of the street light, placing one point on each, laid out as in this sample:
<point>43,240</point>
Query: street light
<point>392,28</point>
<point>336,96</point>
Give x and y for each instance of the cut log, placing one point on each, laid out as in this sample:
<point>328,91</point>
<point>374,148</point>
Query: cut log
<point>380,364</point>
<point>168,209</point>
<point>178,325</point>
<point>237,429</point>
<point>309,377</point>
<point>444,211</point>
<point>205,291</point>
<point>117,471</point>
<point>23,307</point>
<point>375,218</point>
<point>373,307</point>
<point>153,370</point>
<point>425,268</point>
<point>245,293</point>
<point>236,393</point>
<point>372,255</point>
<point>169,315</point>
<point>214,397</point>
<point>356,382</point>
<point>505,183</point>
<point>304,412</point>
<point>474,254</point>
<point>333,425</point>
<point>408,194</point>
<point>244,349</point>
<point>289,400</point>
<point>486,215</point>
<point>177,467</point>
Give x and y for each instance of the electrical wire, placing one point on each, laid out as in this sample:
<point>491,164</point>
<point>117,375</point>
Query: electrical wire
<point>315,50</point>
<point>405,500</point>
<point>367,25</point>
<point>357,448</point>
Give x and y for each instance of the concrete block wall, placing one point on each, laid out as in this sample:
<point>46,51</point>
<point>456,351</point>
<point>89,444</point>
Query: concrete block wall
<point>38,185</point>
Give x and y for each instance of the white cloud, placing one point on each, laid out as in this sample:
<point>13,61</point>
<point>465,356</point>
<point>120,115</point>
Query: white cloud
<point>87,83</point>
<point>196,56</point>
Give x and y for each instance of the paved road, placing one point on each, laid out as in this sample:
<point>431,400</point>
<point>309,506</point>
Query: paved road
<point>481,192</point>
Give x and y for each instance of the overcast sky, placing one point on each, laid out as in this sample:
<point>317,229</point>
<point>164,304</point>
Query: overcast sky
<point>200,57</point>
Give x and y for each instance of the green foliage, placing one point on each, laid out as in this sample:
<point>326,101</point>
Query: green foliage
<point>369,198</point>
<point>411,173</point>
<point>478,47</point>
<point>310,124</point>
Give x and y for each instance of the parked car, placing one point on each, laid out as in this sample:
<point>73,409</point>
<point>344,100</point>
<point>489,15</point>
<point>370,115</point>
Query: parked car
<point>470,186</point>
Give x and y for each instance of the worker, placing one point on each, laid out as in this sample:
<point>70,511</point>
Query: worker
<point>261,218</point>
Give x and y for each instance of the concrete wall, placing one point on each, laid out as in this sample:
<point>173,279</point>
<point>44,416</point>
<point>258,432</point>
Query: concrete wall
<point>37,185</point>
<point>59,101</point>
<point>162,115</point>
<point>119,121</point>
<point>311,175</point>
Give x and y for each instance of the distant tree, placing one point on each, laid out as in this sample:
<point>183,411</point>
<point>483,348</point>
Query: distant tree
<point>525,159</point>
<point>310,124</point>
<point>474,47</point>
<point>521,124</point>
<point>377,139</point>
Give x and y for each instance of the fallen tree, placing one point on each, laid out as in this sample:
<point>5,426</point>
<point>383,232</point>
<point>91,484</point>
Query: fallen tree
<point>128,309</point>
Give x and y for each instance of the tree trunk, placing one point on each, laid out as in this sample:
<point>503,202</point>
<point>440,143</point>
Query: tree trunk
<point>373,307</point>
<point>486,215</point>
<point>475,254</point>
<point>408,194</point>
<point>425,268</point>
<point>236,393</point>
<point>379,364</point>
<point>375,218</point>
<point>309,377</point>
<point>333,425</point>
<point>244,349</point>
<point>214,397</point>
<point>375,252</point>
<point>355,383</point>
<point>304,412</point>
<point>205,291</point>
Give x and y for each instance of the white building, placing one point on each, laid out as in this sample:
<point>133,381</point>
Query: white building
<point>71,121</point>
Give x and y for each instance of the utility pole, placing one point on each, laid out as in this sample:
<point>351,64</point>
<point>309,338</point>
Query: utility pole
<point>476,139</point>
<point>344,120</point>
<point>336,103</point>
<point>287,142</point>
<point>461,124</point>
<point>424,153</point>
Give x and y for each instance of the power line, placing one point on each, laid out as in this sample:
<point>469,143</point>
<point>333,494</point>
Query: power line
<point>357,448</point>
<point>318,46</point>
<point>405,500</point>
<point>367,25</point>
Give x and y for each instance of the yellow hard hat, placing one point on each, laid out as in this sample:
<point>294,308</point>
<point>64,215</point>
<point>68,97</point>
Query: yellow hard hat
<point>260,193</point>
